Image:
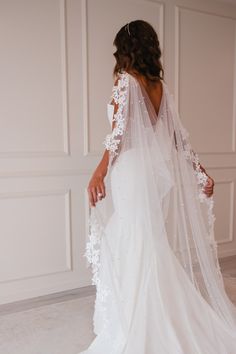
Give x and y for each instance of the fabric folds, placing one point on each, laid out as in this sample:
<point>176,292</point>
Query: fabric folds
<point>151,246</point>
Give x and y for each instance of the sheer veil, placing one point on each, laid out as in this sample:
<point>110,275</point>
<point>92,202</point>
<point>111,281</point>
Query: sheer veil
<point>155,184</point>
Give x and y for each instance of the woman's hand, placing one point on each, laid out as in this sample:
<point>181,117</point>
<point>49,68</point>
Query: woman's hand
<point>96,187</point>
<point>208,190</point>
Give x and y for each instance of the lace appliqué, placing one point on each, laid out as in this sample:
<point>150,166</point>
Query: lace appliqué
<point>119,95</point>
<point>93,256</point>
<point>202,178</point>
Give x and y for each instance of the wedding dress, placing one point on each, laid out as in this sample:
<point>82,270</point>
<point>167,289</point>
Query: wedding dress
<point>151,247</point>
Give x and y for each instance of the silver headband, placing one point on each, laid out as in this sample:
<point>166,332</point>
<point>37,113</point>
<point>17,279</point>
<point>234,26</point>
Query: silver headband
<point>127,28</point>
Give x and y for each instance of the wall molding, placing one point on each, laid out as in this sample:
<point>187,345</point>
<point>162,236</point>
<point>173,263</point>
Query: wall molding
<point>65,106</point>
<point>68,236</point>
<point>177,40</point>
<point>84,41</point>
<point>230,237</point>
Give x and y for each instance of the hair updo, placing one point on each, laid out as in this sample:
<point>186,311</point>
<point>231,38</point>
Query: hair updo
<point>138,49</point>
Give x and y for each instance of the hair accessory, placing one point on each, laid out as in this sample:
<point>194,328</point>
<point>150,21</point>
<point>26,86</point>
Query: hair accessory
<point>127,28</point>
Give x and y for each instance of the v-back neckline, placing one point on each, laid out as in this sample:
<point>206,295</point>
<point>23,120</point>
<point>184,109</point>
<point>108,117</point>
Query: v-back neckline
<point>148,97</point>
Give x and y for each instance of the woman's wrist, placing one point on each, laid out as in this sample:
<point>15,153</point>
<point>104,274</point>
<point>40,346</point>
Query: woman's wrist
<point>103,165</point>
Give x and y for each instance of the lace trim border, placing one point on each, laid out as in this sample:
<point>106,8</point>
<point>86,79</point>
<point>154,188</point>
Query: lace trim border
<point>119,95</point>
<point>92,253</point>
<point>202,178</point>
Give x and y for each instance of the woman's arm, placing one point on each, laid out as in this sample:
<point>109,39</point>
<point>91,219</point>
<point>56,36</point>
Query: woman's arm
<point>96,184</point>
<point>112,141</point>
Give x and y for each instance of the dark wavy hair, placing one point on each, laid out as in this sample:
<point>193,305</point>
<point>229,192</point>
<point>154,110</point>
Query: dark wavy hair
<point>138,49</point>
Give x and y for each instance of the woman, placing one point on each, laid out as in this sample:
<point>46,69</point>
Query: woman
<point>151,242</point>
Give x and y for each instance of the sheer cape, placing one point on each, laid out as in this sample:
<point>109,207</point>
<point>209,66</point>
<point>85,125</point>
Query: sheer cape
<point>151,241</point>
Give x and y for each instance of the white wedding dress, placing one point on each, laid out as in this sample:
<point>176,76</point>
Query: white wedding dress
<point>151,239</point>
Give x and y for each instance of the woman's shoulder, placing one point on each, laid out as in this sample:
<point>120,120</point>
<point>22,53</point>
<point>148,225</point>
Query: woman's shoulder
<point>121,79</point>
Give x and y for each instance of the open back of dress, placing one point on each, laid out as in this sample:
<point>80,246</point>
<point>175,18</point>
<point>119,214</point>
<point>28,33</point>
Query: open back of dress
<point>151,240</point>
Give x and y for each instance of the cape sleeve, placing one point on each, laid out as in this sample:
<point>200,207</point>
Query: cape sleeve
<point>192,156</point>
<point>119,99</point>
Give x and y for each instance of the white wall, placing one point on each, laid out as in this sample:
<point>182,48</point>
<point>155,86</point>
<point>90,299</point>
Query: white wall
<point>56,77</point>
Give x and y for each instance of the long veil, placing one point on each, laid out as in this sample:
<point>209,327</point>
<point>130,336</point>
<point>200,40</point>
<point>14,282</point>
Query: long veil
<point>154,192</point>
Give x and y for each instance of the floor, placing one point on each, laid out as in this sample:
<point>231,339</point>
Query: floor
<point>61,328</point>
<point>65,327</point>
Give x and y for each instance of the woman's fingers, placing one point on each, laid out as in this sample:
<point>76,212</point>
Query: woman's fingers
<point>209,194</point>
<point>103,189</point>
<point>90,195</point>
<point>208,189</point>
<point>99,193</point>
<point>96,190</point>
<point>94,193</point>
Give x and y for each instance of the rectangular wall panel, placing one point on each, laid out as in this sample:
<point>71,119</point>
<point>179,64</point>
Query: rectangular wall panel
<point>224,210</point>
<point>33,86</point>
<point>42,236</point>
<point>205,92</point>
<point>207,46</point>
<point>38,240</point>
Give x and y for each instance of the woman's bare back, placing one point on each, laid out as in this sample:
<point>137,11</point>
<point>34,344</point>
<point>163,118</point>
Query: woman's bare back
<point>153,90</point>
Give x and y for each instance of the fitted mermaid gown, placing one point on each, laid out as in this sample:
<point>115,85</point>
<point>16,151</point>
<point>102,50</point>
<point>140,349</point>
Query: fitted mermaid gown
<point>159,288</point>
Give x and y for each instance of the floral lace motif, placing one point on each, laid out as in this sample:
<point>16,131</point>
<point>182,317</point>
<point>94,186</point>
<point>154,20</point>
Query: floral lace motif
<point>93,256</point>
<point>119,95</point>
<point>202,178</point>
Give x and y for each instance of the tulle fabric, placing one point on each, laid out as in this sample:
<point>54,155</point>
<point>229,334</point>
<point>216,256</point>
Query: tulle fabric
<point>151,241</point>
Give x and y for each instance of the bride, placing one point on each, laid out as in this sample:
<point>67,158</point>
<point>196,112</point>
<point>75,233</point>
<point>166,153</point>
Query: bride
<point>151,246</point>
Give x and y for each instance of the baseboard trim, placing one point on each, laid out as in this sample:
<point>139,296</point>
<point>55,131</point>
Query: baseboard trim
<point>226,254</point>
<point>39,301</point>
